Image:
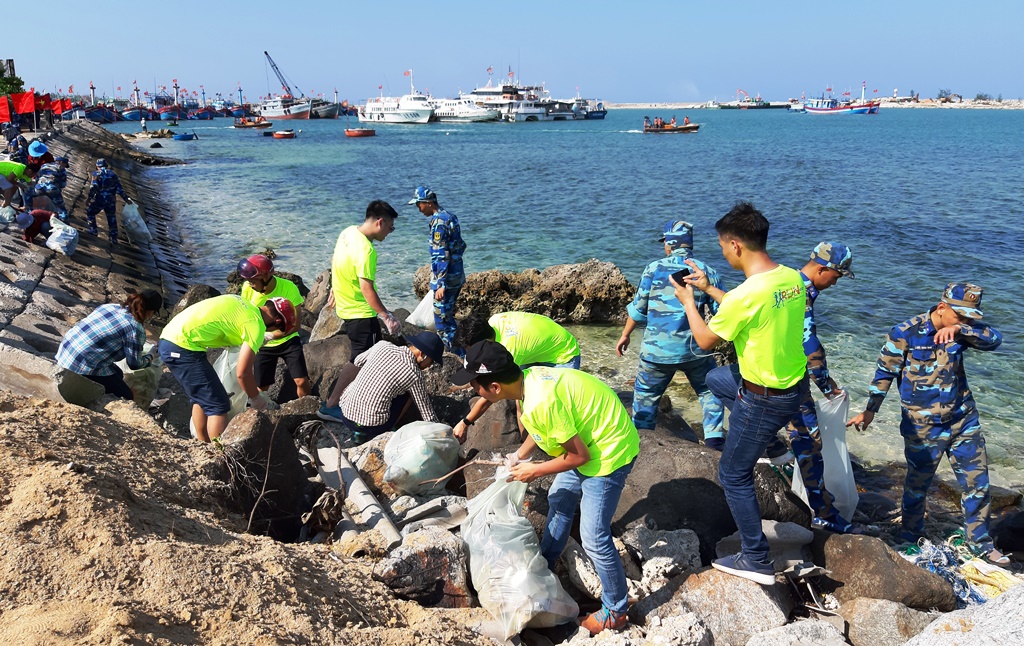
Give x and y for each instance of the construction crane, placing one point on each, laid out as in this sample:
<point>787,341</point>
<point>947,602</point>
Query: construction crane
<point>280,77</point>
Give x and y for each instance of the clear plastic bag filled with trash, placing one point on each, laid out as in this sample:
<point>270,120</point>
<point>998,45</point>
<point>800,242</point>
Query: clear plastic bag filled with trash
<point>511,578</point>
<point>418,452</point>
<point>423,315</point>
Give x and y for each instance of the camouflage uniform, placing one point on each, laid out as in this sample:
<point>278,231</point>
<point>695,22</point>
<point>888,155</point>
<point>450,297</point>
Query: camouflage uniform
<point>667,346</point>
<point>50,181</point>
<point>103,192</point>
<point>804,434</point>
<point>938,410</point>
<point>18,149</point>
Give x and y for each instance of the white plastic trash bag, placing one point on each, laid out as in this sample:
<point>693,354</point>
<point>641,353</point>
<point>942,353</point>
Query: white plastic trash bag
<point>417,452</point>
<point>423,315</point>
<point>134,225</point>
<point>8,215</point>
<point>63,237</point>
<point>838,472</point>
<point>511,577</point>
<point>225,366</point>
<point>143,381</point>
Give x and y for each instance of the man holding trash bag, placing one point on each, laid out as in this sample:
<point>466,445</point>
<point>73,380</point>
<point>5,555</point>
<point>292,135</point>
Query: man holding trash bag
<point>220,322</point>
<point>103,192</point>
<point>580,422</point>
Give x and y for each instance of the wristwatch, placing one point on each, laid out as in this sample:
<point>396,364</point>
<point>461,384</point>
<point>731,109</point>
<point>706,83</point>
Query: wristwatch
<point>466,422</point>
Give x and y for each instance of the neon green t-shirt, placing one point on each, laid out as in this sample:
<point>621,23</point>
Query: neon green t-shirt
<point>14,168</point>
<point>218,322</point>
<point>559,403</point>
<point>533,338</point>
<point>764,318</point>
<point>283,288</point>
<point>354,258</point>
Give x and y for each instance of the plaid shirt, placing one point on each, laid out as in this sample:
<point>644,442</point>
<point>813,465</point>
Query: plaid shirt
<point>107,335</point>
<point>387,372</point>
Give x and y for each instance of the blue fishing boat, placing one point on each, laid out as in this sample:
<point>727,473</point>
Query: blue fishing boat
<point>135,113</point>
<point>185,136</point>
<point>202,114</point>
<point>172,113</point>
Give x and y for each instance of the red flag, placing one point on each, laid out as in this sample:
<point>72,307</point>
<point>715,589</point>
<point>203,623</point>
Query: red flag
<point>24,102</point>
<point>66,105</point>
<point>71,89</point>
<point>511,73</point>
<point>490,70</point>
<point>407,72</point>
<point>876,91</point>
<point>5,109</point>
<point>57,107</point>
<point>380,87</point>
<point>118,88</point>
<point>43,102</point>
<point>134,82</point>
<point>828,89</point>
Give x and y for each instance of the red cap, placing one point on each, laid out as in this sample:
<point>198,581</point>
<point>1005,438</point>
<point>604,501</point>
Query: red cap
<point>284,307</point>
<point>253,266</point>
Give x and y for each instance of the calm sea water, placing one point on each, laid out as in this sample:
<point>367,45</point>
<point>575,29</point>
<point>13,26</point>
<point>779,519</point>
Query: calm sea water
<point>924,197</point>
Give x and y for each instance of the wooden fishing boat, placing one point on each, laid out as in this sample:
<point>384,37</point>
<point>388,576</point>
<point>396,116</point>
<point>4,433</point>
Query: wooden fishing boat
<point>360,132</point>
<point>667,129</point>
<point>249,122</point>
<point>284,134</point>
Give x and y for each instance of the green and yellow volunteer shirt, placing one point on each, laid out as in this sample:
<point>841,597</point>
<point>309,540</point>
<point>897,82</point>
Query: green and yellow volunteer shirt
<point>8,168</point>
<point>354,258</point>
<point>283,288</point>
<point>218,322</point>
<point>533,338</point>
<point>559,403</point>
<point>764,318</point>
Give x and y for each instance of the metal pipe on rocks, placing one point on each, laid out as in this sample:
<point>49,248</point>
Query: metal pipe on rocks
<point>366,504</point>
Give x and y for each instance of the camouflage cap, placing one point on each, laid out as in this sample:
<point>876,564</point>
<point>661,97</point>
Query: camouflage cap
<point>423,194</point>
<point>834,256</point>
<point>678,233</point>
<point>964,298</point>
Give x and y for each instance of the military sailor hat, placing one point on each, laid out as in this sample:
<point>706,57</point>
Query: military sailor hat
<point>423,194</point>
<point>678,233</point>
<point>834,256</point>
<point>964,298</point>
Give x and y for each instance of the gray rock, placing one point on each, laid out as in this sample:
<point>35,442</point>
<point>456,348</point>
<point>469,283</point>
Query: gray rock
<point>318,295</point>
<point>880,622</point>
<point>327,325</point>
<point>733,609</point>
<point>429,567</point>
<point>325,360</point>
<point>863,566</point>
<point>663,553</point>
<point>582,572</point>
<point>810,632</point>
<point>681,629</point>
<point>590,292</point>
<point>788,543</point>
<point>266,475</point>
<point>999,621</point>
<point>24,373</point>
<point>194,294</point>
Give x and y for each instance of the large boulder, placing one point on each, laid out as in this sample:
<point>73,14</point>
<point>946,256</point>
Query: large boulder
<point>193,295</point>
<point>733,608</point>
<point>429,567</point>
<point>324,361</point>
<point>327,325</point>
<point>999,621</point>
<point>268,481</point>
<point>663,554</point>
<point>880,622</point>
<point>319,293</point>
<point>800,633</point>
<point>864,566</point>
<point>590,292</point>
<point>24,373</point>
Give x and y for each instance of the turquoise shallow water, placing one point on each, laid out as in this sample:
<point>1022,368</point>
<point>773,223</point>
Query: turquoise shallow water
<point>922,196</point>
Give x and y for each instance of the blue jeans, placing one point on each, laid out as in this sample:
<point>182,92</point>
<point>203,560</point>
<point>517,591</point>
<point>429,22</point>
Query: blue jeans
<point>653,378</point>
<point>754,420</point>
<point>600,497</point>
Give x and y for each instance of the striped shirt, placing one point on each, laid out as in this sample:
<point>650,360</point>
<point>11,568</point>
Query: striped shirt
<point>107,335</point>
<point>387,372</point>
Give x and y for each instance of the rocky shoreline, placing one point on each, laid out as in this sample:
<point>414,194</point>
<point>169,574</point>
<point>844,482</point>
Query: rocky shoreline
<point>115,527</point>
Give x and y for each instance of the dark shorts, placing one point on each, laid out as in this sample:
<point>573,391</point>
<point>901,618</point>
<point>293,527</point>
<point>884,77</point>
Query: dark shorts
<point>266,362</point>
<point>397,406</point>
<point>113,384</point>
<point>362,334</point>
<point>197,377</point>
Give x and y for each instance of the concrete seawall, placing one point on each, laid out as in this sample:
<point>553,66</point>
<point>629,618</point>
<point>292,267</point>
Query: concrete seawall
<point>44,293</point>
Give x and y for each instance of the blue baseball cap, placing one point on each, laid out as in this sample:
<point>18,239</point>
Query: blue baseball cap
<point>834,256</point>
<point>964,298</point>
<point>678,233</point>
<point>101,163</point>
<point>423,194</point>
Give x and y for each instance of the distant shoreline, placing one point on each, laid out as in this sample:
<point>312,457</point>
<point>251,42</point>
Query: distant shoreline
<point>1012,104</point>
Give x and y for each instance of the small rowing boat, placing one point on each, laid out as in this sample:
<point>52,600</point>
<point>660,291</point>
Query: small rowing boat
<point>185,136</point>
<point>360,132</point>
<point>284,134</point>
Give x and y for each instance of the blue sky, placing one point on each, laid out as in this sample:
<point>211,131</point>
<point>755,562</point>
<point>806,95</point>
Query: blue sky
<point>621,52</point>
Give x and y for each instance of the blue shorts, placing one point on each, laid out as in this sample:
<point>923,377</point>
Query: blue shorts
<point>197,377</point>
<point>573,363</point>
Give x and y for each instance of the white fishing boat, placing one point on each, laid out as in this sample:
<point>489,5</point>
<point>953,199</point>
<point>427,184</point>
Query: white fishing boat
<point>461,110</point>
<point>523,111</point>
<point>284,107</point>
<point>411,108</point>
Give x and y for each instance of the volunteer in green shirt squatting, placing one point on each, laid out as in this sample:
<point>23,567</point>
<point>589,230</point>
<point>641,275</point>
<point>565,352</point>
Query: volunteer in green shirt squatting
<point>260,286</point>
<point>532,339</point>
<point>580,422</point>
<point>220,322</point>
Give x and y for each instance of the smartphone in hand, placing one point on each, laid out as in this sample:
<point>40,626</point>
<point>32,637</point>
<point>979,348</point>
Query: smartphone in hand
<point>680,275</point>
